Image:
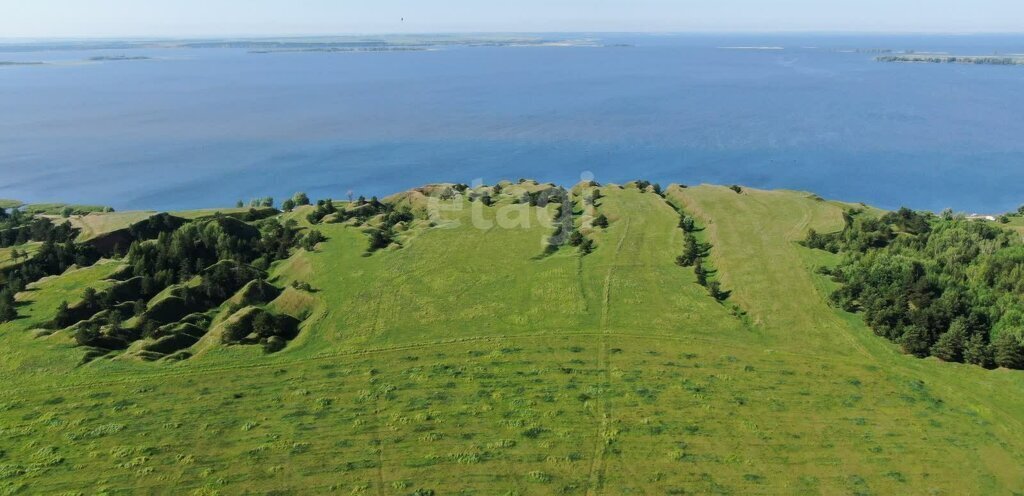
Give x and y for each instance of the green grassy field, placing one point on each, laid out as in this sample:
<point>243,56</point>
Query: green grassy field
<point>94,224</point>
<point>1017,224</point>
<point>467,363</point>
<point>57,208</point>
<point>6,260</point>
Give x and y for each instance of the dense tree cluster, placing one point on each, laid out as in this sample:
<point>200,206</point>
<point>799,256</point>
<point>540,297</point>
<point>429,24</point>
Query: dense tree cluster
<point>153,226</point>
<point>298,200</point>
<point>535,198</point>
<point>177,256</point>
<point>323,209</point>
<point>51,258</point>
<point>56,254</point>
<point>17,227</point>
<point>8,311</point>
<point>643,185</point>
<point>259,326</point>
<point>311,239</point>
<point>942,286</point>
<point>190,269</point>
<point>182,268</point>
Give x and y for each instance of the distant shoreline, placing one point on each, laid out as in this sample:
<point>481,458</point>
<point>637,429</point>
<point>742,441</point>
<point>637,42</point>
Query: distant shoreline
<point>952,59</point>
<point>116,58</point>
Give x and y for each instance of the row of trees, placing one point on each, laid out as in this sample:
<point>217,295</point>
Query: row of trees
<point>264,202</point>
<point>693,255</point>
<point>941,286</point>
<point>565,226</point>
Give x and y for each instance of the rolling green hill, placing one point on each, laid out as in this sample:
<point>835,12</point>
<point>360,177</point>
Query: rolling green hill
<point>468,359</point>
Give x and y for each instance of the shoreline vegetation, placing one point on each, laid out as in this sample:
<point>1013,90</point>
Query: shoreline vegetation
<point>117,58</point>
<point>313,43</point>
<point>293,45</point>
<point>101,58</point>
<point>952,59</point>
<point>345,49</point>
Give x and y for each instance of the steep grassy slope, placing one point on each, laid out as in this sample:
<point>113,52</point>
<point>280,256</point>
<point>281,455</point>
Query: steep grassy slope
<point>6,258</point>
<point>465,362</point>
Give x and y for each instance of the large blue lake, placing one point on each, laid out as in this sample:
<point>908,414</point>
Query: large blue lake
<point>205,127</point>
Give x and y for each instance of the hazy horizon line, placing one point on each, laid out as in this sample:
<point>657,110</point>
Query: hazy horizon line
<point>506,33</point>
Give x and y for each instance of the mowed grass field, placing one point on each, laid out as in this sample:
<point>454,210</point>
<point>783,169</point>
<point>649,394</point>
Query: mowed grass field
<point>468,363</point>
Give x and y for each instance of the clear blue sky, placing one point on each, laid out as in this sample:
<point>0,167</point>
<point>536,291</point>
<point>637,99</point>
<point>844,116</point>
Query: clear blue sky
<point>67,18</point>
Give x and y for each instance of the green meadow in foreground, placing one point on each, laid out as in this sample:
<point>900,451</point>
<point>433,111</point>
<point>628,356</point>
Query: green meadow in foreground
<point>469,356</point>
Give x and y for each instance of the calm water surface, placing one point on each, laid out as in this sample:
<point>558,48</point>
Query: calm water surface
<point>205,127</point>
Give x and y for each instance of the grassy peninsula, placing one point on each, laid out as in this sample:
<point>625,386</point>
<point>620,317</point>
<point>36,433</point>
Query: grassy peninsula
<point>518,338</point>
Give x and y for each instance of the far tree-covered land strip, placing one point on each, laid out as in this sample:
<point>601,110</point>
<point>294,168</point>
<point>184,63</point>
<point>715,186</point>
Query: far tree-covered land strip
<point>953,59</point>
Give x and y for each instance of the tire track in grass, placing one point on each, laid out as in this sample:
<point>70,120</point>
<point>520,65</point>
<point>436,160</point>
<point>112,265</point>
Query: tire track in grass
<point>599,463</point>
<point>607,296</point>
<point>585,306</point>
<point>380,445</point>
